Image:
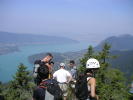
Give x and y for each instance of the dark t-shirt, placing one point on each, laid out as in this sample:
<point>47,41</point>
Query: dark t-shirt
<point>39,94</point>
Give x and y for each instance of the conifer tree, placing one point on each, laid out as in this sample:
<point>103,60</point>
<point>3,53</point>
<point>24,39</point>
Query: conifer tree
<point>21,87</point>
<point>1,91</point>
<point>22,77</point>
<point>89,54</point>
<point>110,82</point>
<point>0,87</point>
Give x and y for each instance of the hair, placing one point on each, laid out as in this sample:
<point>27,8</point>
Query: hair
<point>92,71</point>
<point>49,54</point>
<point>43,71</point>
<point>72,61</point>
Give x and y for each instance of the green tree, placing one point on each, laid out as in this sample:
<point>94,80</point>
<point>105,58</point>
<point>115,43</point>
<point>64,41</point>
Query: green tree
<point>0,87</point>
<point>22,77</point>
<point>89,54</point>
<point>1,90</point>
<point>81,68</point>
<point>111,83</point>
<point>21,87</point>
<point>130,87</point>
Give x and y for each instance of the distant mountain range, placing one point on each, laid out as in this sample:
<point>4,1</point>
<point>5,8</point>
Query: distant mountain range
<point>6,37</point>
<point>124,62</point>
<point>122,43</point>
<point>122,47</point>
<point>10,42</point>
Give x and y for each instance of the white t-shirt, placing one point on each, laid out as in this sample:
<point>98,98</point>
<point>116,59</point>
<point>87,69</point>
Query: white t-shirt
<point>61,75</point>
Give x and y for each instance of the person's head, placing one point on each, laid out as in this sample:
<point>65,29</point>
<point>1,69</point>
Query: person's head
<point>62,65</point>
<point>71,63</point>
<point>43,72</point>
<point>48,57</point>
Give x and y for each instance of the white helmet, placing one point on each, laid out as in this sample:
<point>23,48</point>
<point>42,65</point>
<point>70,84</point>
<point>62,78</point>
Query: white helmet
<point>92,63</point>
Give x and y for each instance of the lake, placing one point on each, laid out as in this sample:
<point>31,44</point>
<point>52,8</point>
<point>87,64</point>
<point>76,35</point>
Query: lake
<point>9,62</point>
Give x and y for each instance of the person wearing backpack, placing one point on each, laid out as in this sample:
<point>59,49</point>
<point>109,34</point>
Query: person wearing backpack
<point>45,61</point>
<point>85,88</point>
<point>63,77</point>
<point>48,89</point>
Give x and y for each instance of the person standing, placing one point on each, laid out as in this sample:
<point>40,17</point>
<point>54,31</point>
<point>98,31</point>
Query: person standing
<point>91,66</point>
<point>73,70</point>
<point>63,77</point>
<point>48,89</point>
<point>86,82</point>
<point>45,61</point>
<point>40,93</point>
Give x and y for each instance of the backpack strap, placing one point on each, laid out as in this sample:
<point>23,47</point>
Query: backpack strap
<point>88,78</point>
<point>35,69</point>
<point>43,84</point>
<point>46,82</point>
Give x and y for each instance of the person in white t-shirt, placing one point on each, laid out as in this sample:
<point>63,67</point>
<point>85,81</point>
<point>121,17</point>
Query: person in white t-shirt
<point>63,77</point>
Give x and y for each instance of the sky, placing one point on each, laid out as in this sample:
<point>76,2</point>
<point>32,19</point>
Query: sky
<point>84,20</point>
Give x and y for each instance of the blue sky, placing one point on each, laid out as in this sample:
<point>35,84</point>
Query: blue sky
<point>79,19</point>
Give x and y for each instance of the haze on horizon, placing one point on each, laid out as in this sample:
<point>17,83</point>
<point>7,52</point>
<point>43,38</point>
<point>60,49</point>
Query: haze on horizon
<point>84,20</point>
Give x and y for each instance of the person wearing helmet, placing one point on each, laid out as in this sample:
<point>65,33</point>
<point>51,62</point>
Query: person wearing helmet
<point>91,66</point>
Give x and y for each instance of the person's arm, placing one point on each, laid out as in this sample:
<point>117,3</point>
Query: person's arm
<point>54,76</point>
<point>93,88</point>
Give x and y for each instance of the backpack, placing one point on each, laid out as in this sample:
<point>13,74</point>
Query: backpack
<point>37,64</point>
<point>81,88</point>
<point>51,85</point>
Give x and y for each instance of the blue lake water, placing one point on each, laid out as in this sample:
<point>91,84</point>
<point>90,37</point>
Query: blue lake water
<point>9,62</point>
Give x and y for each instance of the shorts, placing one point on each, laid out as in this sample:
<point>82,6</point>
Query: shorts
<point>64,88</point>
